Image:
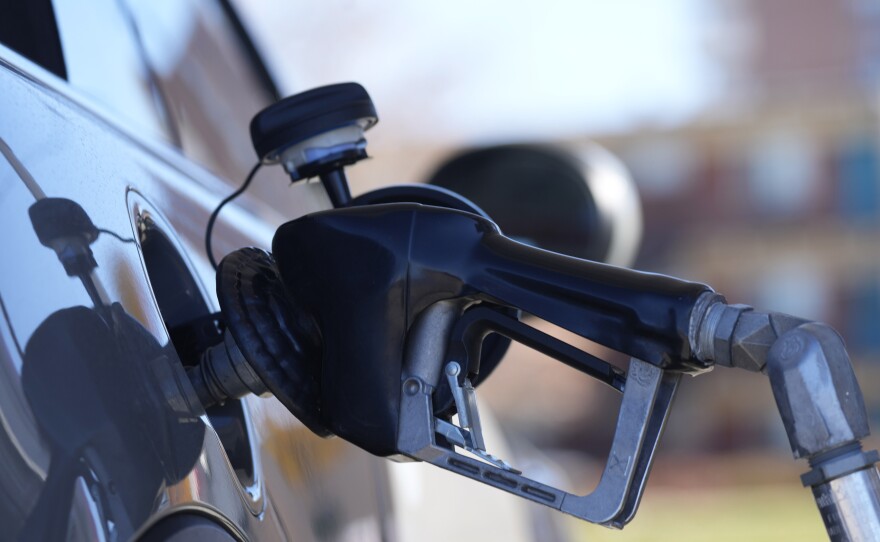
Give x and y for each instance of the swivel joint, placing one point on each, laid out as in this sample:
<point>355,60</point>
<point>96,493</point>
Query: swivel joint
<point>818,398</point>
<point>816,390</point>
<point>735,335</point>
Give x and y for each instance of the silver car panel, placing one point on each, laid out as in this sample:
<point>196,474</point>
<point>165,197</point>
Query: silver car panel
<point>305,489</point>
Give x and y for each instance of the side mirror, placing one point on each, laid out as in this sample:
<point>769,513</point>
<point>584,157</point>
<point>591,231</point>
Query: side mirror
<point>579,201</point>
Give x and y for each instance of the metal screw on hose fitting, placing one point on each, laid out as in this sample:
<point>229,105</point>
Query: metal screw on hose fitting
<point>224,374</point>
<point>704,320</point>
<point>712,328</point>
<point>735,335</point>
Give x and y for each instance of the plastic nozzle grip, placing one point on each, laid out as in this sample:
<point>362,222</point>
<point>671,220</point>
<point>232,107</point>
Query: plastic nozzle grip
<point>366,274</point>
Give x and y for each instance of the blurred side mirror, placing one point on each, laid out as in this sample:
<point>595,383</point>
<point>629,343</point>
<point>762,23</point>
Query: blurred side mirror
<point>576,201</point>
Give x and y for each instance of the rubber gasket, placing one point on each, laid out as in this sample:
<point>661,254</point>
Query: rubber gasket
<point>282,344</point>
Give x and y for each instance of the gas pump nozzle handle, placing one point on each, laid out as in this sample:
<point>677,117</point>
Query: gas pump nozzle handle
<point>366,274</point>
<point>368,323</point>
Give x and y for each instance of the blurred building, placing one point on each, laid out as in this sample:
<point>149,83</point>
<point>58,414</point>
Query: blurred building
<point>773,195</point>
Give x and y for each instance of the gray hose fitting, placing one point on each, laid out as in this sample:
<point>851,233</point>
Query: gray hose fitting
<point>735,335</point>
<point>816,390</point>
<point>703,325</point>
<point>223,374</point>
<point>711,329</point>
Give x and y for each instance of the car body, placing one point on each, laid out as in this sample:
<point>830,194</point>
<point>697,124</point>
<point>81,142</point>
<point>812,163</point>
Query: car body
<point>138,189</point>
<point>122,125</point>
<point>120,481</point>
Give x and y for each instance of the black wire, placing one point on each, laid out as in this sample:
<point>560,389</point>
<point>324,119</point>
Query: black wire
<point>216,213</point>
<point>117,236</point>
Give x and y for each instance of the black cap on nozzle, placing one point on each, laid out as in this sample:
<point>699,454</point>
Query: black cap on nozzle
<point>316,133</point>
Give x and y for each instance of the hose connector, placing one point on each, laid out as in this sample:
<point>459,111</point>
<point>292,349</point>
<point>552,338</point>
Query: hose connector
<point>735,335</point>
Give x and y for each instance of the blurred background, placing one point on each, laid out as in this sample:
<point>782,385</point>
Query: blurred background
<point>750,129</point>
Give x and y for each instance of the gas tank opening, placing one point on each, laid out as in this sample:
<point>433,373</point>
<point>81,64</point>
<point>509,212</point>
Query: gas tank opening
<point>193,327</point>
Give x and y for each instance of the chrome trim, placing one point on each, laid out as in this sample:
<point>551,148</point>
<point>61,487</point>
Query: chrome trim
<point>141,211</point>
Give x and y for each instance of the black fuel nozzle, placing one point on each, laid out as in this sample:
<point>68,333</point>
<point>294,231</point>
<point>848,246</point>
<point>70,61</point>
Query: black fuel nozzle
<point>325,320</point>
<point>394,289</point>
<point>317,133</point>
<point>366,275</point>
<point>369,322</point>
<point>366,323</point>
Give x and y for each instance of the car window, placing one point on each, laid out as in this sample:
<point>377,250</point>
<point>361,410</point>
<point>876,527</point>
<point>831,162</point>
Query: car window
<point>29,28</point>
<point>205,74</point>
<point>108,65</point>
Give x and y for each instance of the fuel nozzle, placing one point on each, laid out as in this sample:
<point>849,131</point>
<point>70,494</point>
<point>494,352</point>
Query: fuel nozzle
<point>367,323</point>
<point>316,134</point>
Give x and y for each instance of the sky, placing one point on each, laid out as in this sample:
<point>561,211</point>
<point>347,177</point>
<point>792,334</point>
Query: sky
<point>484,71</point>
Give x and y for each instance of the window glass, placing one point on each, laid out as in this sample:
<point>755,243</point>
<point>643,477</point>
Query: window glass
<point>796,285</point>
<point>663,167</point>
<point>104,60</point>
<point>210,83</point>
<point>858,170</point>
<point>29,28</point>
<point>783,173</point>
<point>863,314</point>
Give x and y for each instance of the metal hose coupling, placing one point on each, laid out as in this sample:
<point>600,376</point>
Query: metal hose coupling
<point>735,335</point>
<point>223,373</point>
<point>818,398</point>
<point>824,414</point>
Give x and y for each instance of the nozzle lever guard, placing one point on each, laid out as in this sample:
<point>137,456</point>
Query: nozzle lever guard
<point>647,398</point>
